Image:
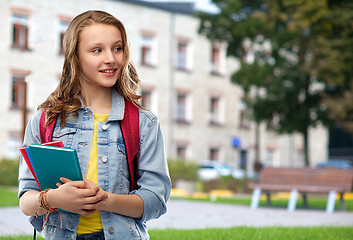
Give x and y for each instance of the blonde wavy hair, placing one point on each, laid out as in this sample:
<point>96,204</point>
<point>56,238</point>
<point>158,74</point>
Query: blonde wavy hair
<point>65,99</point>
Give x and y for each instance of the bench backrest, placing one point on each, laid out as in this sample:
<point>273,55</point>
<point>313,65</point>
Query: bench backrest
<point>326,177</point>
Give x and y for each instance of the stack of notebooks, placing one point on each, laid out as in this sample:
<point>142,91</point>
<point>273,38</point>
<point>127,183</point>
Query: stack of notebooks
<point>50,161</point>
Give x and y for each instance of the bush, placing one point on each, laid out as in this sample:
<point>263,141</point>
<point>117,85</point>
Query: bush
<point>182,170</point>
<point>227,183</point>
<point>9,172</point>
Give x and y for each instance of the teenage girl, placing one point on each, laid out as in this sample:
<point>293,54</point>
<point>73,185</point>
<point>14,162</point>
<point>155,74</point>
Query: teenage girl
<point>97,78</point>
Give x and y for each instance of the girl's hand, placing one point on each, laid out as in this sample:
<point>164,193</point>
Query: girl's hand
<point>103,194</point>
<point>74,196</point>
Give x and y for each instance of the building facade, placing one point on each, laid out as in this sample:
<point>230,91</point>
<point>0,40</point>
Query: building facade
<point>185,80</point>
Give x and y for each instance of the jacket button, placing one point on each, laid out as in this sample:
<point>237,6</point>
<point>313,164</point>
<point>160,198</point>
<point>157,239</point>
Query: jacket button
<point>104,127</point>
<point>110,229</point>
<point>104,159</point>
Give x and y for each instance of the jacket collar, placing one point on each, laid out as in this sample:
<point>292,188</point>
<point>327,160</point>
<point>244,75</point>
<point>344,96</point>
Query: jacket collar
<point>117,106</point>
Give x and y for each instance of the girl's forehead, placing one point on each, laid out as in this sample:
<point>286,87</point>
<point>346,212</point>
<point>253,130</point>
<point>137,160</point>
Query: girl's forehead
<point>100,27</point>
<point>100,32</point>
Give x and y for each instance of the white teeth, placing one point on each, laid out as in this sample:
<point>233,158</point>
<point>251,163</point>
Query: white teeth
<point>108,71</point>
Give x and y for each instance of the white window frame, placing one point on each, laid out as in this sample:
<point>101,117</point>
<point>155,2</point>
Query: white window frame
<point>188,107</point>
<point>149,41</point>
<point>187,63</point>
<point>218,67</point>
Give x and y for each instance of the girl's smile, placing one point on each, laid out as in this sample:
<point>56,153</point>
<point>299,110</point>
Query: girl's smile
<point>108,72</point>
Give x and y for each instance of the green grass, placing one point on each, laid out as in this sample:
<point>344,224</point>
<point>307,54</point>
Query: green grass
<point>244,233</point>
<point>8,197</point>
<point>21,237</point>
<point>313,202</point>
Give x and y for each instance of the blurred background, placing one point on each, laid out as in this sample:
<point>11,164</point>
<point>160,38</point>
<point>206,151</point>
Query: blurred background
<point>237,85</point>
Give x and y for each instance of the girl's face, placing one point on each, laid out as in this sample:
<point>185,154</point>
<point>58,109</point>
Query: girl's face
<point>100,51</point>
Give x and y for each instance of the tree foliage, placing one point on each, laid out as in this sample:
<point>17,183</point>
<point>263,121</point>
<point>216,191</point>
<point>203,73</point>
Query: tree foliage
<point>302,59</point>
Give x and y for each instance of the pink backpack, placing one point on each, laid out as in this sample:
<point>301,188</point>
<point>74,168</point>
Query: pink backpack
<point>130,128</point>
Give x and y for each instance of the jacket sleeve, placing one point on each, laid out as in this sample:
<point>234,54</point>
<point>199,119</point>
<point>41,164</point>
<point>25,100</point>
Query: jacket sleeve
<point>154,182</point>
<point>32,135</point>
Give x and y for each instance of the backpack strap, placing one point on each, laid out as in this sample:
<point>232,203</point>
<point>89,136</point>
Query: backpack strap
<point>130,129</point>
<point>46,132</point>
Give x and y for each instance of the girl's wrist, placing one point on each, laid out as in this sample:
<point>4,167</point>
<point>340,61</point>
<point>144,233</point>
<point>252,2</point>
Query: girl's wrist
<point>47,200</point>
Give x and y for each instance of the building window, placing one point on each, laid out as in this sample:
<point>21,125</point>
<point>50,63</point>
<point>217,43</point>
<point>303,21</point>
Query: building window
<point>19,88</point>
<point>300,158</point>
<point>273,124</point>
<point>181,63</point>
<point>183,56</point>
<point>181,152</point>
<point>244,115</point>
<point>148,49</point>
<point>146,99</point>
<point>217,59</point>
<point>62,29</point>
<point>214,154</point>
<point>269,157</point>
<point>215,111</point>
<point>20,31</point>
<point>13,145</point>
<point>183,107</point>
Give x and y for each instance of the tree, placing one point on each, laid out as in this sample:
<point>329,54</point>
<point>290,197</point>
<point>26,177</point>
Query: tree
<point>307,68</point>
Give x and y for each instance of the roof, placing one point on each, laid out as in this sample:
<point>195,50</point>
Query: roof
<point>175,7</point>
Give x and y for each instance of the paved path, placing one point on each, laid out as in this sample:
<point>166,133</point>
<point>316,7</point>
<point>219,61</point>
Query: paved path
<point>191,215</point>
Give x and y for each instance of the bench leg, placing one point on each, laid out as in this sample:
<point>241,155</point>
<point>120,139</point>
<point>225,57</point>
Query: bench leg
<point>330,207</point>
<point>255,198</point>
<point>305,200</point>
<point>268,197</point>
<point>292,200</point>
<point>342,203</point>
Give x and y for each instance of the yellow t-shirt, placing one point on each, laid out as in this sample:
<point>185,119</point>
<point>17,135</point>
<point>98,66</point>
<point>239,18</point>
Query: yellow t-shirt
<point>92,223</point>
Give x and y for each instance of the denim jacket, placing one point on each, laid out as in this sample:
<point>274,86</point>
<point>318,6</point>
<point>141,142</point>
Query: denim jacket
<point>154,183</point>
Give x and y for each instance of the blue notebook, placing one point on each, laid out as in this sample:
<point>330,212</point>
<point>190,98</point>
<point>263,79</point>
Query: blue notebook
<point>51,163</point>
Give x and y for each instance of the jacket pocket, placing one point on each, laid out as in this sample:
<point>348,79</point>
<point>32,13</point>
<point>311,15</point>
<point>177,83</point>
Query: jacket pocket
<point>65,135</point>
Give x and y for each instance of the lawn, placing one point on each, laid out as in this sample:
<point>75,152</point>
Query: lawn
<point>313,202</point>
<point>8,197</point>
<point>244,233</point>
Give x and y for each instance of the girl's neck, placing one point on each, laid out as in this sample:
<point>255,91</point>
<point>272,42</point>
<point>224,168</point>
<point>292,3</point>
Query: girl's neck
<point>99,100</point>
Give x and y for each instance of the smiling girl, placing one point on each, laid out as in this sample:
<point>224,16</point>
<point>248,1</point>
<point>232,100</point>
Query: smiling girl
<point>98,77</point>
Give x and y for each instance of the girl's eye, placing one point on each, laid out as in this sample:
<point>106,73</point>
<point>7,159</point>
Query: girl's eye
<point>117,49</point>
<point>97,51</point>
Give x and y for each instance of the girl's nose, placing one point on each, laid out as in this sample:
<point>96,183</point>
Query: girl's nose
<point>109,57</point>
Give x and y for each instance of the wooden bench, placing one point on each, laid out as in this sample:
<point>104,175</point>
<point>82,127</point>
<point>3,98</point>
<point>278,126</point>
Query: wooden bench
<point>303,180</point>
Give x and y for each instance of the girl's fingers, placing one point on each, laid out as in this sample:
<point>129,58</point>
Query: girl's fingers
<point>78,184</point>
<point>95,199</point>
<point>65,180</point>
